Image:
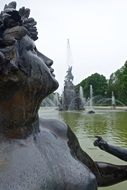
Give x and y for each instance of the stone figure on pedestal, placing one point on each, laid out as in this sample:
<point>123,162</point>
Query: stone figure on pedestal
<point>71,99</point>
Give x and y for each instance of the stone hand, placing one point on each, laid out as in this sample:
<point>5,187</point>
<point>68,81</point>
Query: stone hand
<point>100,143</point>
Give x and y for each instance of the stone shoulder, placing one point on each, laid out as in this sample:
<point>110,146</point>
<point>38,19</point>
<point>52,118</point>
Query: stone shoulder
<point>57,127</point>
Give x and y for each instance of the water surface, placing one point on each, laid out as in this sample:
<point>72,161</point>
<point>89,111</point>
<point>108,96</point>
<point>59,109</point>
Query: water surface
<point>110,124</point>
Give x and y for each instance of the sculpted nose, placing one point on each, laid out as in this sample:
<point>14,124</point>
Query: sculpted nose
<point>49,62</point>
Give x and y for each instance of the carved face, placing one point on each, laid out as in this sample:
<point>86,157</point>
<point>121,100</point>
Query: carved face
<point>33,76</point>
<point>37,66</point>
<point>22,66</point>
<point>23,87</point>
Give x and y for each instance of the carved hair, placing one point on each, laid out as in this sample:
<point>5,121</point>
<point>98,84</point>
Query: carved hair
<point>10,18</point>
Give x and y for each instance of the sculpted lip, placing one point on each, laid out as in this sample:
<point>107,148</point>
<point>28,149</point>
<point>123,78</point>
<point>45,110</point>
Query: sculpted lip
<point>49,64</point>
<point>51,71</point>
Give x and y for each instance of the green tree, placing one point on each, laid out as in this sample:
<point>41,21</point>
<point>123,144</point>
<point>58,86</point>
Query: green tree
<point>98,82</point>
<point>118,84</point>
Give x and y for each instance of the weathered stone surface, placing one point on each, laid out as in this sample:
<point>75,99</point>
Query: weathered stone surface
<point>70,99</point>
<point>38,154</point>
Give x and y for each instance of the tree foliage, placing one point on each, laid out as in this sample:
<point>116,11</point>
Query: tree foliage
<point>118,84</point>
<point>98,82</point>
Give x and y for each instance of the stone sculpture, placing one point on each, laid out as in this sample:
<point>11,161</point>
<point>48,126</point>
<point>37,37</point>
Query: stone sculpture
<point>119,152</point>
<point>36,153</point>
<point>71,99</point>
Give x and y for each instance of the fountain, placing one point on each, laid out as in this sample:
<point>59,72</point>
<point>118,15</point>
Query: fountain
<point>38,153</point>
<point>51,101</point>
<point>56,99</point>
<point>91,109</point>
<point>113,101</point>
<point>70,99</point>
<point>69,93</point>
<point>81,95</point>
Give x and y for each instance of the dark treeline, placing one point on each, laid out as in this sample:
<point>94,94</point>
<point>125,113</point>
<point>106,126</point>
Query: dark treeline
<point>103,88</point>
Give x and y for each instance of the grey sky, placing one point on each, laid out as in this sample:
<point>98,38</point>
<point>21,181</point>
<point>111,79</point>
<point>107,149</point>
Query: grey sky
<point>97,30</point>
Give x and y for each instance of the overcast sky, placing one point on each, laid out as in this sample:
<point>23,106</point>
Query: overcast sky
<point>97,31</point>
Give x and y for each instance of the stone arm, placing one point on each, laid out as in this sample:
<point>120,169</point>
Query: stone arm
<point>106,174</point>
<point>114,150</point>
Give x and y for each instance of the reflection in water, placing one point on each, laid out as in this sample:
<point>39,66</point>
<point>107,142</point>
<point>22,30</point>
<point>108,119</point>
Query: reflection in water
<point>111,125</point>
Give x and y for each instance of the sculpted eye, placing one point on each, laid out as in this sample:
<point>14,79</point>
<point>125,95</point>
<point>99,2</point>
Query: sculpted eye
<point>31,48</point>
<point>34,50</point>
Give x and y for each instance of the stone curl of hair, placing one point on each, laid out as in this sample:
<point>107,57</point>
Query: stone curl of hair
<point>10,18</point>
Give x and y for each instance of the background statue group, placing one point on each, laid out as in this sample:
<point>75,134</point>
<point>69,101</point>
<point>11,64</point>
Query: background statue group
<point>36,153</point>
<point>71,98</point>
